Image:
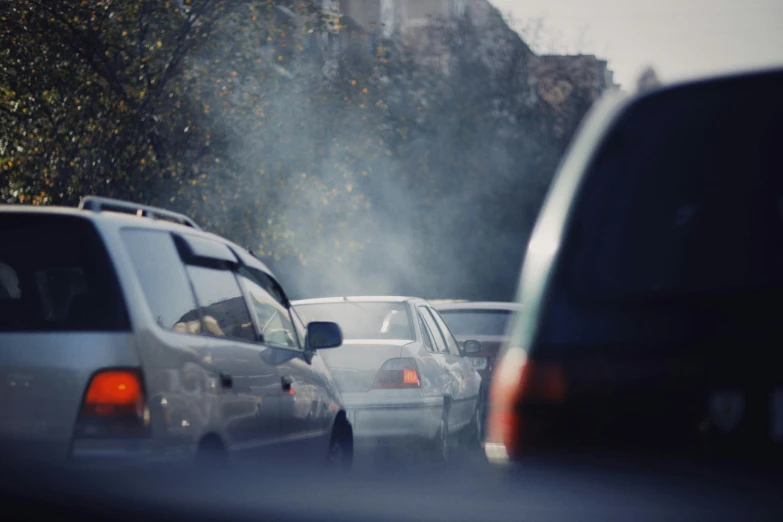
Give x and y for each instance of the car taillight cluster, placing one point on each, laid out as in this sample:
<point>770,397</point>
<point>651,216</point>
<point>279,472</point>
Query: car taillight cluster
<point>516,381</point>
<point>114,406</point>
<point>397,374</point>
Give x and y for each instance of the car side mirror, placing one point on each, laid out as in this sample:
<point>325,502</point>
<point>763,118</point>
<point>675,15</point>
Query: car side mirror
<point>323,335</point>
<point>471,347</point>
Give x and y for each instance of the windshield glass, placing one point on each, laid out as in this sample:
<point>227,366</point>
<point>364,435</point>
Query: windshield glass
<point>476,322</point>
<point>362,320</point>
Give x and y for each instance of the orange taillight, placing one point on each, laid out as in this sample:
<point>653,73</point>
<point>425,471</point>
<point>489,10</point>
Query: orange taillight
<point>398,373</point>
<point>114,406</point>
<point>114,392</point>
<point>114,387</point>
<point>518,380</point>
<point>410,377</point>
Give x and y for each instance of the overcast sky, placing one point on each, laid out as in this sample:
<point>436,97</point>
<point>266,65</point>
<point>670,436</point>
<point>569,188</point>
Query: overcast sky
<point>678,38</point>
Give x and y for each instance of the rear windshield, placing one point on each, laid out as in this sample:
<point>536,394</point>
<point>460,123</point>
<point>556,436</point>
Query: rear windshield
<point>476,322</point>
<point>55,275</point>
<point>678,230</point>
<point>362,320</point>
<point>686,197</point>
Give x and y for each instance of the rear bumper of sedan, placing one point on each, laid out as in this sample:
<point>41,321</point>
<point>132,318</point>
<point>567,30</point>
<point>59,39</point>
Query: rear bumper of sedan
<point>393,415</point>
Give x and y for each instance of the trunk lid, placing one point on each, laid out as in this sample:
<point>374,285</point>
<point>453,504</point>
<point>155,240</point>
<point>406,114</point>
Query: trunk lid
<point>43,378</point>
<point>355,364</point>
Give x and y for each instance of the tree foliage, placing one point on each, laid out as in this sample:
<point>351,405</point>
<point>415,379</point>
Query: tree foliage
<point>350,164</point>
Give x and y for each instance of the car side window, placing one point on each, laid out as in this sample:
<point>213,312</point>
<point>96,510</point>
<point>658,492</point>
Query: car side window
<point>274,321</point>
<point>440,342</point>
<point>223,305</point>
<point>163,279</point>
<point>425,334</point>
<point>301,329</point>
<point>451,342</point>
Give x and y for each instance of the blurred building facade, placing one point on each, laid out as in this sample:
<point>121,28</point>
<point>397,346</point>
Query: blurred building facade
<point>550,77</point>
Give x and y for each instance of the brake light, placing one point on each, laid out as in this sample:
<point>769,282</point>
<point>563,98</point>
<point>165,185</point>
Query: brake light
<point>518,380</point>
<point>397,374</point>
<point>114,405</point>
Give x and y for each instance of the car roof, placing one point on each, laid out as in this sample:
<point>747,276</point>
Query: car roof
<point>696,79</point>
<point>122,219</point>
<point>357,299</point>
<point>479,305</point>
<point>554,218</point>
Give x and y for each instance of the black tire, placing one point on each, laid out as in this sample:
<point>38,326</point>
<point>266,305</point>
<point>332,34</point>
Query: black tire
<point>211,454</point>
<point>441,444</point>
<point>339,455</point>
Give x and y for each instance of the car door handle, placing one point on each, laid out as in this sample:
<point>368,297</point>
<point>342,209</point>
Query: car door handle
<point>286,381</point>
<point>226,381</point>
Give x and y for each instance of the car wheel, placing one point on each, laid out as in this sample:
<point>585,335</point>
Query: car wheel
<point>211,454</point>
<point>474,433</point>
<point>442,443</point>
<point>340,452</point>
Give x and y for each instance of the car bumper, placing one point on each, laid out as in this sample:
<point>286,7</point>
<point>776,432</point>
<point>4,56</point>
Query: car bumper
<point>113,454</point>
<point>93,454</point>
<point>393,415</point>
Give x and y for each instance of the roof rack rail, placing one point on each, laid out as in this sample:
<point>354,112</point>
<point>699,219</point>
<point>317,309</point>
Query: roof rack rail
<point>97,204</point>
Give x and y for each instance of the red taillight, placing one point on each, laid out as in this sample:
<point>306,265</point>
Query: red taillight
<point>396,374</point>
<point>518,380</point>
<point>114,405</point>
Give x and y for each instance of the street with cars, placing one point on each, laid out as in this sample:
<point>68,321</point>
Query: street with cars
<point>642,345</point>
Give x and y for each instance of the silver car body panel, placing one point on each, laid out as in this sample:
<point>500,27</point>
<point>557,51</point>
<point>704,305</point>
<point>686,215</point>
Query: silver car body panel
<point>43,376</point>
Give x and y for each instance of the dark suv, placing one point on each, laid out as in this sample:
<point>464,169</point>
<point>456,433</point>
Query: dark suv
<point>653,282</point>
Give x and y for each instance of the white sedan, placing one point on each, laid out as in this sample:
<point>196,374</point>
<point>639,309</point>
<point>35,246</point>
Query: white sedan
<point>401,372</point>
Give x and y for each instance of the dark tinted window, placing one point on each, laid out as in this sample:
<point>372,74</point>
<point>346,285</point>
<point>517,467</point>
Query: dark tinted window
<point>162,277</point>
<point>222,303</point>
<point>476,322</point>
<point>676,237</point>
<point>685,196</point>
<point>55,275</point>
<point>363,320</point>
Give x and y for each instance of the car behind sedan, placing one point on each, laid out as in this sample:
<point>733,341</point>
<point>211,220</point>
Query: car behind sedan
<point>486,322</point>
<point>401,373</point>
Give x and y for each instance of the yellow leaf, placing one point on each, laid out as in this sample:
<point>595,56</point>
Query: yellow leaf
<point>160,43</point>
<point>349,187</point>
<point>125,33</point>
